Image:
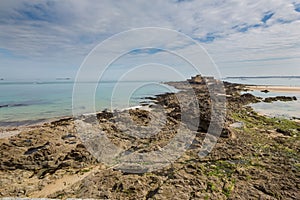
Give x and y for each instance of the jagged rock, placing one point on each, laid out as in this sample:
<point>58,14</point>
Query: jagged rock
<point>248,98</point>
<point>243,163</point>
<point>280,98</point>
<point>284,132</point>
<point>265,91</point>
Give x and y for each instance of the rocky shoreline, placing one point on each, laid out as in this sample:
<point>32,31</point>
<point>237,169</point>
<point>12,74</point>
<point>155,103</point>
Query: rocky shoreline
<point>255,157</point>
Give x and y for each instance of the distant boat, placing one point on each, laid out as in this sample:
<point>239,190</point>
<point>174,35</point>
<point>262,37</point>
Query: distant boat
<point>1,79</point>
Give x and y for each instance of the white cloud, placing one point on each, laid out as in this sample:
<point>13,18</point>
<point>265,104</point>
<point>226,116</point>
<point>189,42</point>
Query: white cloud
<point>65,31</point>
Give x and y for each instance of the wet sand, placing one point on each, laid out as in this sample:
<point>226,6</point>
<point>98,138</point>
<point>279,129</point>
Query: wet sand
<point>274,88</point>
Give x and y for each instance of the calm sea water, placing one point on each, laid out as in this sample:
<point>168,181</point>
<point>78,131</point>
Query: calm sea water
<point>278,108</point>
<point>266,81</point>
<point>23,103</point>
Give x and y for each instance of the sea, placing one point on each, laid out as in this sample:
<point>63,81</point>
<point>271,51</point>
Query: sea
<point>279,109</point>
<point>30,102</point>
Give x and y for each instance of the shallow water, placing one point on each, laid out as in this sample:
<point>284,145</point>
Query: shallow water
<point>22,103</point>
<point>287,109</point>
<point>275,109</point>
<point>266,81</point>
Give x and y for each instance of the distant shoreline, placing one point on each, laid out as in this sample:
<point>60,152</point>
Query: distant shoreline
<point>274,88</point>
<point>259,77</point>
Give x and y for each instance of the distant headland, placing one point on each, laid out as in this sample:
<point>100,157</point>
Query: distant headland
<point>243,77</point>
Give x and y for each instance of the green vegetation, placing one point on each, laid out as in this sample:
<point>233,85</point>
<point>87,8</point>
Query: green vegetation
<point>254,120</point>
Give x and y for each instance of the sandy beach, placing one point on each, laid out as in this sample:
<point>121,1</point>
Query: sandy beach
<point>272,88</point>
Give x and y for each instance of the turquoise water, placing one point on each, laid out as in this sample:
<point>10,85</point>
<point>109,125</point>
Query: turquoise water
<point>278,108</point>
<point>274,109</point>
<point>23,103</point>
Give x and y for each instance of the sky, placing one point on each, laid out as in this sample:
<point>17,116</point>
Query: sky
<point>43,39</point>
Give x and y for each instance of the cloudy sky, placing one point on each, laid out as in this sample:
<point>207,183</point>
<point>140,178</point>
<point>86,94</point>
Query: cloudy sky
<point>45,39</point>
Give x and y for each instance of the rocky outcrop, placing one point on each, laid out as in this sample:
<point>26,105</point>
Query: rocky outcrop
<point>265,91</point>
<point>44,150</point>
<point>280,98</point>
<point>255,157</point>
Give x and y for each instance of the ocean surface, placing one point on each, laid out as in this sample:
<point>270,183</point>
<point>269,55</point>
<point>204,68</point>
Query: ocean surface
<point>266,81</point>
<point>29,102</point>
<point>275,109</point>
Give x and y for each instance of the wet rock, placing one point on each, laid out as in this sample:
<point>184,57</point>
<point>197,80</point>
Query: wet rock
<point>279,98</point>
<point>63,121</point>
<point>265,91</point>
<point>226,133</point>
<point>105,115</point>
<point>248,98</point>
<point>284,132</point>
<point>140,116</point>
<point>35,149</point>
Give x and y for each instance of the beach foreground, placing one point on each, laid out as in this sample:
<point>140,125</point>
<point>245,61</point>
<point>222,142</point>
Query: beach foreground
<point>256,157</point>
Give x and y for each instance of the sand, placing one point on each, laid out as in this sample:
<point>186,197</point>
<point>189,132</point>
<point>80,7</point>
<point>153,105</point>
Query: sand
<point>275,88</point>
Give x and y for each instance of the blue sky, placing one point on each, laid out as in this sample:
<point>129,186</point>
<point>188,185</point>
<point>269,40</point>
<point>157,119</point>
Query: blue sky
<point>48,39</point>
